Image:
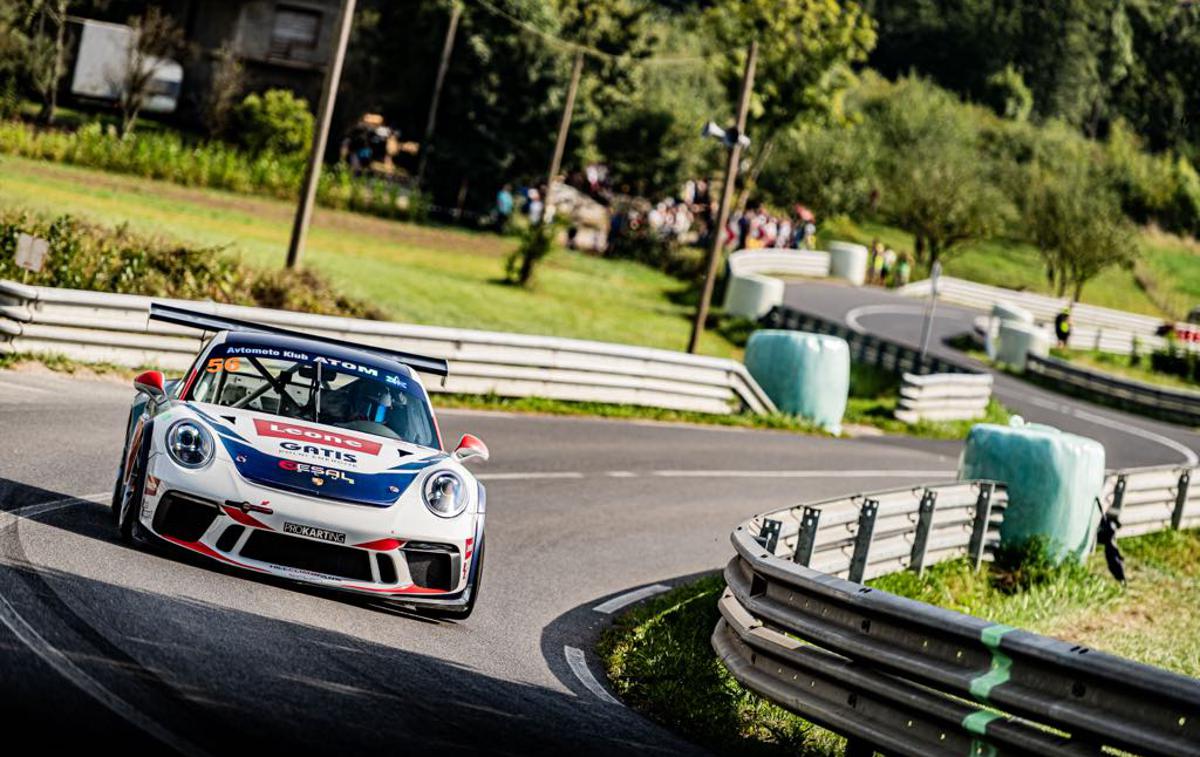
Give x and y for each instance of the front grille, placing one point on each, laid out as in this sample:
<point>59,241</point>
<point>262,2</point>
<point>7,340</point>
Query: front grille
<point>184,517</point>
<point>429,570</point>
<point>307,554</point>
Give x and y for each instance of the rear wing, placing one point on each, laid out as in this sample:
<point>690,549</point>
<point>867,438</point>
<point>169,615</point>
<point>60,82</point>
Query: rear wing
<point>213,322</point>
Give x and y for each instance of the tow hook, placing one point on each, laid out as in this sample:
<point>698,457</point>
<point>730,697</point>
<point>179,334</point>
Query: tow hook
<point>247,507</point>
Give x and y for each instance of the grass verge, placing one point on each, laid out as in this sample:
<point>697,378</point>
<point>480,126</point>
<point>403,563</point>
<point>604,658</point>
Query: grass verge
<point>1121,365</point>
<point>1166,280</point>
<point>411,273</point>
<point>659,658</point>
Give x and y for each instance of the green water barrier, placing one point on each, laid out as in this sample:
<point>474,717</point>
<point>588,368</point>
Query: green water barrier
<point>1053,480</point>
<point>804,374</point>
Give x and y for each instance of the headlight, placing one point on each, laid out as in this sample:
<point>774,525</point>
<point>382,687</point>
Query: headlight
<point>445,494</point>
<point>189,444</point>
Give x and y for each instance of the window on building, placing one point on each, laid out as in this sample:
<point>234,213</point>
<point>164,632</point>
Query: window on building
<point>295,32</point>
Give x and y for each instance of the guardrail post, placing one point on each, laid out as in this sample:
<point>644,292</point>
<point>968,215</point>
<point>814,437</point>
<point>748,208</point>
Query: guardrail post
<point>807,536</point>
<point>1114,509</point>
<point>916,560</point>
<point>862,539</point>
<point>983,513</point>
<point>1181,494</point>
<point>768,536</point>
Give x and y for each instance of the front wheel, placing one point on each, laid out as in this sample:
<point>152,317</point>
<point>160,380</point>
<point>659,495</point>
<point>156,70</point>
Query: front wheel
<point>130,503</point>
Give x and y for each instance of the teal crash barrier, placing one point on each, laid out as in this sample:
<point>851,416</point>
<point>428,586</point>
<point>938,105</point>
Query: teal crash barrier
<point>1053,480</point>
<point>803,374</point>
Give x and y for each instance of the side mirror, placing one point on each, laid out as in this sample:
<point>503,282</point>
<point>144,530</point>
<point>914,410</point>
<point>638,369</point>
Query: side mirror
<point>150,384</point>
<point>469,447</point>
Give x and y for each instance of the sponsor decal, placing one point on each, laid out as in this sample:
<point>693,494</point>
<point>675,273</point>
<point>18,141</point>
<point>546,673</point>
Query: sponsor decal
<point>282,430</point>
<point>322,453</point>
<point>395,380</point>
<point>319,473</point>
<point>216,365</point>
<point>312,532</point>
<point>267,352</point>
<point>345,365</point>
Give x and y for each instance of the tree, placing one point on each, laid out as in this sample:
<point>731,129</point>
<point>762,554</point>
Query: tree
<point>47,22</point>
<point>937,183</point>
<point>14,49</point>
<point>228,80</point>
<point>156,38</point>
<point>1077,225</point>
<point>806,50</point>
<point>830,169</point>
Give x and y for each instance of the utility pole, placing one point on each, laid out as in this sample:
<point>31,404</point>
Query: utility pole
<point>718,231</point>
<point>308,193</point>
<point>564,127</point>
<point>443,65</point>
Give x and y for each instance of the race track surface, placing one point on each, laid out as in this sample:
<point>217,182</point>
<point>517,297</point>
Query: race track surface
<point>1129,440</point>
<point>103,644</point>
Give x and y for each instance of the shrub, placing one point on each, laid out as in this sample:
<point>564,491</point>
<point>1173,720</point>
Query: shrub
<point>87,256</point>
<point>167,156</point>
<point>276,121</point>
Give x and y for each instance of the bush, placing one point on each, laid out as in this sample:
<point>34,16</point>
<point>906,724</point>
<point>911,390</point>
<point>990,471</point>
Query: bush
<point>274,122</point>
<point>828,169</point>
<point>87,256</point>
<point>167,156</point>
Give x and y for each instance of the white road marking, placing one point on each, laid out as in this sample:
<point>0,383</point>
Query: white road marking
<point>575,475</point>
<point>527,476</point>
<point>63,665</point>
<point>577,661</point>
<point>863,310</point>
<point>803,473</point>
<point>629,597</point>
<point>1188,454</point>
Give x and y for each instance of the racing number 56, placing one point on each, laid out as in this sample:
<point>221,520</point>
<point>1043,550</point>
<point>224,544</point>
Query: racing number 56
<point>216,365</point>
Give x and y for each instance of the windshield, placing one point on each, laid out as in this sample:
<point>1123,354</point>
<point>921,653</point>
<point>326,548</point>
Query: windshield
<point>313,387</point>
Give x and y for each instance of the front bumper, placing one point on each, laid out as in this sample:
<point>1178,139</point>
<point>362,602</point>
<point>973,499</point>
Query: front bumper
<point>403,553</point>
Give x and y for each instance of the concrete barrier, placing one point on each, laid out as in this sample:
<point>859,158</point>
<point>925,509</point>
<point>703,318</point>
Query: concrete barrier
<point>848,261</point>
<point>748,295</point>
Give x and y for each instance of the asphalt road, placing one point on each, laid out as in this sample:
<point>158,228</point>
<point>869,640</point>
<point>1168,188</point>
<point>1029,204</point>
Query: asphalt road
<point>103,644</point>
<point>1129,440</point>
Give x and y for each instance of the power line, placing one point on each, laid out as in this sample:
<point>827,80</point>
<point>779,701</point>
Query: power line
<point>576,47</point>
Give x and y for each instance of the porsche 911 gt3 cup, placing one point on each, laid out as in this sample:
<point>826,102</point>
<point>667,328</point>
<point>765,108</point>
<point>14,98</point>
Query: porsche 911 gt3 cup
<point>305,458</point>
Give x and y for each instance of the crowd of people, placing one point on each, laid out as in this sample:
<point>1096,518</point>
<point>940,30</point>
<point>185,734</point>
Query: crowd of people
<point>886,267</point>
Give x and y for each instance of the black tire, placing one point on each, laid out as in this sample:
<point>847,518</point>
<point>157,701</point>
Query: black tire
<point>131,495</point>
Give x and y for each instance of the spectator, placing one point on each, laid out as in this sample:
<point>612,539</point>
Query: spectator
<point>889,264</point>
<point>903,270</point>
<point>534,207</point>
<point>810,235</point>
<point>1062,327</point>
<point>504,207</point>
<point>875,262</point>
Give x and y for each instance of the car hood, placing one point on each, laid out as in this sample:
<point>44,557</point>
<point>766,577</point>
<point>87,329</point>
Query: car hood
<point>316,459</point>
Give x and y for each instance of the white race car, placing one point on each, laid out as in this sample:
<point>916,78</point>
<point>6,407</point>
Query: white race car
<point>305,458</point>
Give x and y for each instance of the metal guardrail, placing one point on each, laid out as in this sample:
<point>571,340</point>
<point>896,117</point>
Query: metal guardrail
<point>114,328</point>
<point>865,348</point>
<point>1094,327</point>
<point>1135,396</point>
<point>903,677</point>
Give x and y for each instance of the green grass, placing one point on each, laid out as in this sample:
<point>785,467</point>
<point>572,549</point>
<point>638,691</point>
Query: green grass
<point>1166,280</point>
<point>414,273</point>
<point>1119,365</point>
<point>1152,619</point>
<point>659,658</point>
<point>660,661</point>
